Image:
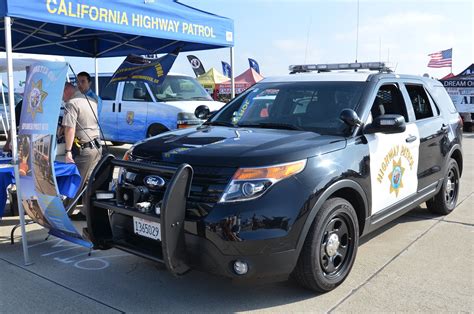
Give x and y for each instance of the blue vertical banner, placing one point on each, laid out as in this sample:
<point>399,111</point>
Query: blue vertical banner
<point>254,65</point>
<point>226,69</point>
<point>36,150</point>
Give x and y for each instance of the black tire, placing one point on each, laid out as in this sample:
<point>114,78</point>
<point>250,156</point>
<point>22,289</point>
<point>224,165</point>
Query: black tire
<point>330,247</point>
<point>445,201</point>
<point>155,129</point>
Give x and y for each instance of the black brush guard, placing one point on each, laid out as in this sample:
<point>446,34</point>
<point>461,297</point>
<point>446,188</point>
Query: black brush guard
<point>171,218</point>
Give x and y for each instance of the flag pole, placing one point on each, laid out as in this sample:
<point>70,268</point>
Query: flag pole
<point>451,60</point>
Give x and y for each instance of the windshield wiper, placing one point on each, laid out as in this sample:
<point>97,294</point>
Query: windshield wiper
<point>170,98</point>
<point>200,98</point>
<point>272,125</point>
<point>219,123</point>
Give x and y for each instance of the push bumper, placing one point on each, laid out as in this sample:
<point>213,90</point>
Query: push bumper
<point>111,225</point>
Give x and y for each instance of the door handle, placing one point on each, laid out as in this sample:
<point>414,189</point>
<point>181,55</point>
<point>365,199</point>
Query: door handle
<point>120,107</point>
<point>113,107</point>
<point>410,139</point>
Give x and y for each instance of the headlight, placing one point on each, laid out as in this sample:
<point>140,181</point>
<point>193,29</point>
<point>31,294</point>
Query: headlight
<point>127,154</point>
<point>126,157</point>
<point>186,119</point>
<point>250,183</point>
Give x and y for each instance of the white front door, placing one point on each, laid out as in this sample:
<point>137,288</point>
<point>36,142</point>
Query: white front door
<point>393,166</point>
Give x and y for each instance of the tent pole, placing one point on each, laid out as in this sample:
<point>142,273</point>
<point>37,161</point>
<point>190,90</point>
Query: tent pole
<point>96,78</point>
<point>232,81</point>
<point>4,106</point>
<point>11,101</point>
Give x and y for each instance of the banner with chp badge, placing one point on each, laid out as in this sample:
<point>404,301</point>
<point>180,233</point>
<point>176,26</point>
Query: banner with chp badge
<point>39,193</point>
<point>196,64</point>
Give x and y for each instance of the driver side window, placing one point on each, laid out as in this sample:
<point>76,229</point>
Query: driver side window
<point>389,100</point>
<point>135,91</point>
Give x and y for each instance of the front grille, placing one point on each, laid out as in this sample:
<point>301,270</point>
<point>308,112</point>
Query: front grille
<point>207,187</point>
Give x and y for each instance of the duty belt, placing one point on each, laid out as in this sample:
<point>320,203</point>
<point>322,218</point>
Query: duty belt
<point>92,144</point>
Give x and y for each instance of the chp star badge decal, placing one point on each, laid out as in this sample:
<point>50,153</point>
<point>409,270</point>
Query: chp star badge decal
<point>396,177</point>
<point>35,98</point>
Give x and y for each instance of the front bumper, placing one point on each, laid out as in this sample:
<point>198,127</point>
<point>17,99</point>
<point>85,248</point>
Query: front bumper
<point>209,244</point>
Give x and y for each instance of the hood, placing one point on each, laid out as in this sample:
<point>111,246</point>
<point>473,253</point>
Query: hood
<point>191,105</point>
<point>235,147</point>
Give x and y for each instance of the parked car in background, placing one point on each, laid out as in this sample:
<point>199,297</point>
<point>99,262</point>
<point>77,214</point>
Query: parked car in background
<point>135,110</point>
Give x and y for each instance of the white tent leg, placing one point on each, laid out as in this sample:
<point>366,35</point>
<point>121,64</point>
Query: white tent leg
<point>96,64</point>
<point>3,124</point>
<point>4,104</point>
<point>232,81</point>
<point>11,101</point>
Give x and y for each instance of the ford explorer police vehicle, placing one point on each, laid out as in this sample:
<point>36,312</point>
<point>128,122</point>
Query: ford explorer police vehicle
<point>134,110</point>
<point>286,178</point>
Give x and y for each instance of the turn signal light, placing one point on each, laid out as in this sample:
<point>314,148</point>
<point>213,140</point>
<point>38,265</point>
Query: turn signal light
<point>277,172</point>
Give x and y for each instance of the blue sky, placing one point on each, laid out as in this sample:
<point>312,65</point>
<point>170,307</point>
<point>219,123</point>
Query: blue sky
<point>278,33</point>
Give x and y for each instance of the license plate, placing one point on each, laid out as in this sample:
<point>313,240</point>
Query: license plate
<point>147,228</point>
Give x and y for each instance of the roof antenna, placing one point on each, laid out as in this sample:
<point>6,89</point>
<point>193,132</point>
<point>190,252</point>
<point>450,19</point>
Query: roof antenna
<point>357,32</point>
<point>307,39</point>
<point>380,49</point>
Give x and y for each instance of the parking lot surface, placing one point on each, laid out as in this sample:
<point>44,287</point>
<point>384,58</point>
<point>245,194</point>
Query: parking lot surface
<point>419,262</point>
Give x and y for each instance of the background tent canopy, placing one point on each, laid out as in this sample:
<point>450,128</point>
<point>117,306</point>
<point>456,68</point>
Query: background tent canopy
<point>88,28</point>
<point>242,82</point>
<point>211,78</point>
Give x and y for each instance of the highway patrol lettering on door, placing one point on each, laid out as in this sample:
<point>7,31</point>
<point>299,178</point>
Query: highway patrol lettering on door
<point>393,167</point>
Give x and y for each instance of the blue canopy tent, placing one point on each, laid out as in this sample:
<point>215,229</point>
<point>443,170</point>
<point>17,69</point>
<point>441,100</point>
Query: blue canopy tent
<point>95,29</point>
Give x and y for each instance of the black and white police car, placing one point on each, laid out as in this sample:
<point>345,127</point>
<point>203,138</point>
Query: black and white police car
<point>285,178</point>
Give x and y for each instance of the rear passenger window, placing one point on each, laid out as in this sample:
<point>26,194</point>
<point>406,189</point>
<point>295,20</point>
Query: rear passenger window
<point>109,91</point>
<point>389,100</point>
<point>441,94</point>
<point>419,100</point>
<point>106,91</point>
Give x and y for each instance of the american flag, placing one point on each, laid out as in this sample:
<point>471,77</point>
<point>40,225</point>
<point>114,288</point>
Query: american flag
<point>441,59</point>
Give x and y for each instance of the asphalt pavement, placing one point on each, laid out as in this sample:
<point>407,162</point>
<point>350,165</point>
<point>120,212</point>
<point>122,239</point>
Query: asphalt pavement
<point>418,263</point>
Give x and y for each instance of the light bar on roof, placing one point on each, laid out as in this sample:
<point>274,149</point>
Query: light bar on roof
<point>374,66</point>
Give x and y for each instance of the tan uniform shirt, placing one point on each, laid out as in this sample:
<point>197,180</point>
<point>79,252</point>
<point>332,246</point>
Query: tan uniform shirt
<point>79,115</point>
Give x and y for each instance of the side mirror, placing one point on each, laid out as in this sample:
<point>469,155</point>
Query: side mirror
<point>387,123</point>
<point>202,112</point>
<point>350,117</point>
<point>139,93</point>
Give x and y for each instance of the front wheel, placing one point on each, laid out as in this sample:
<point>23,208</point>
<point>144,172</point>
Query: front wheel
<point>155,129</point>
<point>445,201</point>
<point>330,247</point>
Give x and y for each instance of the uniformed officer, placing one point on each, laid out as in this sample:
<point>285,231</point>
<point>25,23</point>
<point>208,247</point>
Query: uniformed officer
<point>82,130</point>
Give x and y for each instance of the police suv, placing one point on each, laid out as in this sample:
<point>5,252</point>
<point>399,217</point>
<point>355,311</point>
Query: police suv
<point>286,178</point>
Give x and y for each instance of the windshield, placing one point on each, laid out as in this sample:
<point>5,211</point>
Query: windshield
<point>177,88</point>
<point>308,106</point>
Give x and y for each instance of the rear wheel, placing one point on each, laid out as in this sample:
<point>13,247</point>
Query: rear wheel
<point>330,247</point>
<point>445,201</point>
<point>155,129</point>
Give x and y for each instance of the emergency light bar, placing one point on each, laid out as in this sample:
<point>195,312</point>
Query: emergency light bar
<point>373,66</point>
